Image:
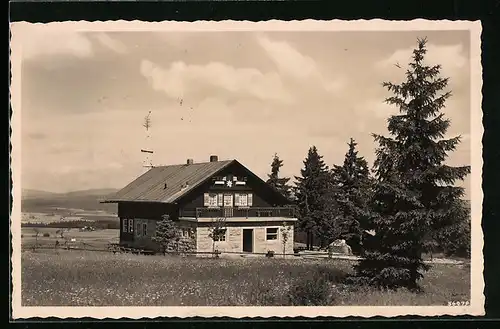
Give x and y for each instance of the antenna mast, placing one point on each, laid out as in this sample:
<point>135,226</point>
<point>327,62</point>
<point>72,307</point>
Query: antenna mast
<point>148,153</point>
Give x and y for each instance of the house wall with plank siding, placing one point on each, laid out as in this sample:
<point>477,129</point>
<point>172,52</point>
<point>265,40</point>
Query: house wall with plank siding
<point>146,210</point>
<point>142,211</point>
<point>261,196</point>
<point>141,240</point>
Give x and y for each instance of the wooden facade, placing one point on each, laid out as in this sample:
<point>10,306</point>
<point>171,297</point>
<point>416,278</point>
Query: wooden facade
<point>252,213</point>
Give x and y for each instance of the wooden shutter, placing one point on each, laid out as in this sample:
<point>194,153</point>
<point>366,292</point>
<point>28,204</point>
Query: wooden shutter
<point>237,200</point>
<point>220,199</point>
<point>206,199</point>
<point>249,199</point>
<point>131,226</point>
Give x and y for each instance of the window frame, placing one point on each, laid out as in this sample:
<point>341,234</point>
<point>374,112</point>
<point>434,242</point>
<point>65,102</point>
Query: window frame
<point>224,236</point>
<point>144,229</point>
<point>231,198</point>
<point>272,234</point>
<point>213,199</point>
<point>124,225</point>
<point>131,225</point>
<point>243,196</point>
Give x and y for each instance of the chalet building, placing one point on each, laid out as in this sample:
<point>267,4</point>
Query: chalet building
<point>196,195</point>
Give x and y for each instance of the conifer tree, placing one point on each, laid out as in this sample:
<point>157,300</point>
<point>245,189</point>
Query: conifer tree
<point>280,184</point>
<point>328,219</point>
<point>352,183</point>
<point>414,192</point>
<point>310,193</point>
<point>167,234</point>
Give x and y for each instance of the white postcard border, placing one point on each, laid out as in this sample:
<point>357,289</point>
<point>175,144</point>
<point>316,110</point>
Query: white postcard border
<point>476,306</point>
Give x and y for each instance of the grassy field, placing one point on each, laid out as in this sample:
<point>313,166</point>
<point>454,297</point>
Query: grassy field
<point>98,239</point>
<point>78,278</point>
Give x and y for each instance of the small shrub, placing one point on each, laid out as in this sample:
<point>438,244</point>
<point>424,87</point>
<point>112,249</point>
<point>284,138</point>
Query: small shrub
<point>46,235</point>
<point>315,290</point>
<point>309,292</point>
<point>331,275</point>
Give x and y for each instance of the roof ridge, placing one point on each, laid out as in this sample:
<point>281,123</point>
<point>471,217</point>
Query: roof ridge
<point>194,163</point>
<point>167,183</point>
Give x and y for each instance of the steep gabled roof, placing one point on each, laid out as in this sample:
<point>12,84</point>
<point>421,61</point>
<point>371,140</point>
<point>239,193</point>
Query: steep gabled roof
<point>150,187</point>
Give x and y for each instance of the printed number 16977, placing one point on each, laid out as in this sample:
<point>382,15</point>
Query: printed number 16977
<point>459,303</point>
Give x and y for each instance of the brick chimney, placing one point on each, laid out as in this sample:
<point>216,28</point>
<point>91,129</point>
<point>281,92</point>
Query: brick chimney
<point>189,161</point>
<point>214,158</point>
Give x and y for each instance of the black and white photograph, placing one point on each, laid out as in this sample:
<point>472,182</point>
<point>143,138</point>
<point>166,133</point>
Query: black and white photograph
<point>246,169</point>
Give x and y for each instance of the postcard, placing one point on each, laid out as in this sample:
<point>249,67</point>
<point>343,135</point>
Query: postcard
<point>246,169</point>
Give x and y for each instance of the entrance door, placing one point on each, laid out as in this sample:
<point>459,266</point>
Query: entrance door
<point>248,240</point>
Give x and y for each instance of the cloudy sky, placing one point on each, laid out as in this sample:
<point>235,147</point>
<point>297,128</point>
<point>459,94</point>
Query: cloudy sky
<point>246,95</point>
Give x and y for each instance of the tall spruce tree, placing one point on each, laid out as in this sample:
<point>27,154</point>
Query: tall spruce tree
<point>328,219</point>
<point>415,192</point>
<point>280,184</point>
<point>353,187</point>
<point>310,193</point>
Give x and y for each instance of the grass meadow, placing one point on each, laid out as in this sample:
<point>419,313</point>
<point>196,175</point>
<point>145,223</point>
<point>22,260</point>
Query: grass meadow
<point>84,278</point>
<point>48,236</point>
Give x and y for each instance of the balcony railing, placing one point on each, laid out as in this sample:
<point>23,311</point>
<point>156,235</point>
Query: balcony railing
<point>228,212</point>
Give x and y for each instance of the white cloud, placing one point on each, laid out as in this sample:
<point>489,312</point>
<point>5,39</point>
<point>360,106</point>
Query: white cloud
<point>288,59</point>
<point>48,40</point>
<point>451,58</point>
<point>380,108</point>
<point>180,79</point>
<point>292,63</point>
<point>111,43</point>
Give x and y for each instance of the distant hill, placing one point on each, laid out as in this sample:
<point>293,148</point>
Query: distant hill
<point>93,192</point>
<point>43,201</point>
<point>33,194</point>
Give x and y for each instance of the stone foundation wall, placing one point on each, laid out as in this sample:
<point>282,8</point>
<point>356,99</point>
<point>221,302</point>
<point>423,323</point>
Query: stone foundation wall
<point>234,240</point>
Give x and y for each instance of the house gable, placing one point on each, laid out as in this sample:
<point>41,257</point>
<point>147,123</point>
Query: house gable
<point>234,179</point>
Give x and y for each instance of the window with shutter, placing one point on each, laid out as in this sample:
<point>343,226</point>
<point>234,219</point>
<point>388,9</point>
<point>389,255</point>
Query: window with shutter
<point>138,229</point>
<point>237,200</point>
<point>206,199</point>
<point>228,200</point>
<point>250,199</point>
<point>124,225</point>
<point>243,200</point>
<point>220,199</point>
<point>131,226</point>
<point>212,200</point>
